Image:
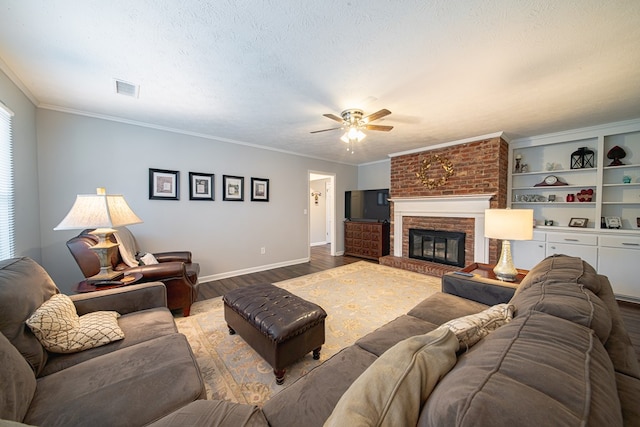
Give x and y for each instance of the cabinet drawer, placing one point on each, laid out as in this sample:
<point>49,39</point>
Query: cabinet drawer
<point>574,239</point>
<point>625,242</point>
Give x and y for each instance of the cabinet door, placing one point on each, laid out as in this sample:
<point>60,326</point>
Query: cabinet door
<point>620,266</point>
<point>587,253</point>
<point>527,253</point>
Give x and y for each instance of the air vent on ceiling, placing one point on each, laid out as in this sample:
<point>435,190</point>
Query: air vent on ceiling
<point>127,89</point>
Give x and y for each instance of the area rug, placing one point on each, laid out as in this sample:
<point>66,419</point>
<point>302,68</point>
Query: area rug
<point>358,298</point>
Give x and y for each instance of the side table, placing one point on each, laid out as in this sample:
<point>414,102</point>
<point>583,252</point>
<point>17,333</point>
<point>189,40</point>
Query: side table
<point>493,291</point>
<point>87,286</point>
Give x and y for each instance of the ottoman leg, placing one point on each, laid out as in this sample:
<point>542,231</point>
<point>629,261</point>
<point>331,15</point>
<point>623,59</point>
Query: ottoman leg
<point>279,375</point>
<point>231,330</point>
<point>316,353</point>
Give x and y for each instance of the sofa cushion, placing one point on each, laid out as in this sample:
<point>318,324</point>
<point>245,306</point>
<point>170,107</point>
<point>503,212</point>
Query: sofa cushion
<point>310,400</point>
<point>133,386</point>
<point>24,286</point>
<point>472,328</point>
<point>389,334</point>
<point>59,328</point>
<point>138,327</point>
<point>441,307</point>
<point>18,382</point>
<point>564,287</point>
<point>214,413</point>
<point>394,388</point>
<point>536,368</point>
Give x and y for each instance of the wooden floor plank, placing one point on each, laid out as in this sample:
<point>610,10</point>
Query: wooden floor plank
<point>321,259</point>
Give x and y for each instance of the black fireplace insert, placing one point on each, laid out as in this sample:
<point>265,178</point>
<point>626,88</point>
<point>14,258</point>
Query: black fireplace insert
<point>445,247</point>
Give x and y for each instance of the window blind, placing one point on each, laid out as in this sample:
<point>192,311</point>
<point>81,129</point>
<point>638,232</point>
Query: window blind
<point>7,190</point>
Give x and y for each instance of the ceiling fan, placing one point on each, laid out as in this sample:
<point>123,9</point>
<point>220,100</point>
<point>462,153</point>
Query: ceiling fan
<point>353,122</point>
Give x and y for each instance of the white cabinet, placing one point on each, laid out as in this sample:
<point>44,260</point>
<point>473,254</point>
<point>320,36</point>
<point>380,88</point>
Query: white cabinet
<point>587,253</point>
<point>618,257</point>
<point>612,253</point>
<point>527,253</point>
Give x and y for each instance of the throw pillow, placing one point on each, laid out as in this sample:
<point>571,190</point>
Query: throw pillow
<point>148,259</point>
<point>393,389</point>
<point>472,328</point>
<point>59,329</point>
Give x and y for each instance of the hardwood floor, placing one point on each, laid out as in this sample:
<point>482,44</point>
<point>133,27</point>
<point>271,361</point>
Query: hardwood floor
<point>321,259</point>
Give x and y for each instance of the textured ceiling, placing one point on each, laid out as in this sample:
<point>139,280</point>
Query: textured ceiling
<point>263,72</point>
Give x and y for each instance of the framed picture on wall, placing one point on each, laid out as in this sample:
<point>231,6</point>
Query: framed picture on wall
<point>201,186</point>
<point>233,188</point>
<point>164,184</point>
<point>259,190</point>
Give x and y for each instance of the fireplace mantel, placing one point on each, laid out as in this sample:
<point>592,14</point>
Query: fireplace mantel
<point>460,206</point>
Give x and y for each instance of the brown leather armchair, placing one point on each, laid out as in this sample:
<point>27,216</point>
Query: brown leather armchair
<point>174,269</point>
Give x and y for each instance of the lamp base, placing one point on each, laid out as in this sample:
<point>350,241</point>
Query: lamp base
<point>504,269</point>
<point>103,249</point>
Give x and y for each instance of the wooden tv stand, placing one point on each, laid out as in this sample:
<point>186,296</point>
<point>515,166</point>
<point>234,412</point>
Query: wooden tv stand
<point>366,239</point>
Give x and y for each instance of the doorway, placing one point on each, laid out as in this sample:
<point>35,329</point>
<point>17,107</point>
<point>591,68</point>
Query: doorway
<point>322,212</point>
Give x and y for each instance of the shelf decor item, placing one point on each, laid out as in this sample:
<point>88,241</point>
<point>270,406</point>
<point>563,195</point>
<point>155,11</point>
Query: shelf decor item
<point>585,195</point>
<point>615,154</point>
<point>579,222</point>
<point>582,158</point>
<point>613,222</point>
<point>550,181</point>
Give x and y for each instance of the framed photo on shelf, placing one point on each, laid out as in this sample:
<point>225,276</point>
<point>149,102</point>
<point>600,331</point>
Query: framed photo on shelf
<point>201,186</point>
<point>164,184</point>
<point>233,188</point>
<point>259,190</point>
<point>613,222</point>
<point>578,222</point>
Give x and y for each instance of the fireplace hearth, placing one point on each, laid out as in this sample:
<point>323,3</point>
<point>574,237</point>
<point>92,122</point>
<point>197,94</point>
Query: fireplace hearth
<point>444,247</point>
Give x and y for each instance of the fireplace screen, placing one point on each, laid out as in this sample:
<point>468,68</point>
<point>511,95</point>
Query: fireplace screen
<point>445,247</point>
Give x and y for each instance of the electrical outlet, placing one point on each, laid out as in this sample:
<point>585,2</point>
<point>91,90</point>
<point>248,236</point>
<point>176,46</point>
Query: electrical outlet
<point>263,250</point>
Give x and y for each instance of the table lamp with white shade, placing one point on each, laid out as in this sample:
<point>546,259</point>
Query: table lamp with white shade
<point>507,225</point>
<point>103,212</point>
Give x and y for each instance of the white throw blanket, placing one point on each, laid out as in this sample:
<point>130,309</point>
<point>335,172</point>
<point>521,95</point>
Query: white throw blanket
<point>127,246</point>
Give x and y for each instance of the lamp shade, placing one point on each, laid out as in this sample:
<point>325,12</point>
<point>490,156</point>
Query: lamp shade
<point>98,211</point>
<point>508,224</point>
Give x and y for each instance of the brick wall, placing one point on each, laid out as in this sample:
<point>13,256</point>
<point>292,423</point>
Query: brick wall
<point>480,167</point>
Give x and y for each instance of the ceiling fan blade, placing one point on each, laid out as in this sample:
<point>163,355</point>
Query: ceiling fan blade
<point>377,115</point>
<point>378,127</point>
<point>325,130</point>
<point>333,117</point>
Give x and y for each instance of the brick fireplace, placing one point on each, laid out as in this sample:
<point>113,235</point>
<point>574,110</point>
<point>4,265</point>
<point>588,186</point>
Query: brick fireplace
<point>479,183</point>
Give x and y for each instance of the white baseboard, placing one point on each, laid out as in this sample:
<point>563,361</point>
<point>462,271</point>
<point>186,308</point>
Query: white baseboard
<point>319,243</point>
<point>225,275</point>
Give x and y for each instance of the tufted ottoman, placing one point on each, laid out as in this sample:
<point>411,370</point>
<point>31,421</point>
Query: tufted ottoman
<point>278,325</point>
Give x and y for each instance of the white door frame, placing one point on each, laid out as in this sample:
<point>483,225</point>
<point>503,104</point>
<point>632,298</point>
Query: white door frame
<point>332,231</point>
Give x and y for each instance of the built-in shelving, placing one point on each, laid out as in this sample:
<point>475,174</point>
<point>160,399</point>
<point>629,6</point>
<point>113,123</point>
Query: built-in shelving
<point>616,194</point>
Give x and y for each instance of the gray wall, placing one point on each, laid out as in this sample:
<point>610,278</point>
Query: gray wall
<point>372,176</point>
<point>25,168</point>
<point>78,153</point>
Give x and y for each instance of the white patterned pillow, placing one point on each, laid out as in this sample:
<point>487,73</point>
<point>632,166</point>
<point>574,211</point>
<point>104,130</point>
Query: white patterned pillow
<point>59,329</point>
<point>472,328</point>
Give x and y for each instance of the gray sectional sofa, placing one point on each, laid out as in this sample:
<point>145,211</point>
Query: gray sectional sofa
<point>150,377</point>
<point>564,359</point>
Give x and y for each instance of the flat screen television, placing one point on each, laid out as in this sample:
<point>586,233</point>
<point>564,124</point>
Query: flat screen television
<point>369,205</point>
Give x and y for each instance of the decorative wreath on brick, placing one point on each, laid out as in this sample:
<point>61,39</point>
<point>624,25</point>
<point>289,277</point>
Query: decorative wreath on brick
<point>425,167</point>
